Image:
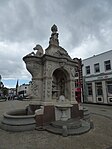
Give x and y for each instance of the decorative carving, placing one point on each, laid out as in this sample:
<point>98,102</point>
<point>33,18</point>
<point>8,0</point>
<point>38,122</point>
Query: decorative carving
<point>54,36</point>
<point>47,70</point>
<point>72,70</point>
<point>67,68</point>
<point>34,69</point>
<point>62,85</point>
<point>62,64</point>
<point>54,28</point>
<point>39,50</point>
<point>73,91</point>
<point>54,87</point>
<point>44,71</point>
<point>44,87</point>
<point>31,54</point>
<point>35,88</point>
<point>48,88</point>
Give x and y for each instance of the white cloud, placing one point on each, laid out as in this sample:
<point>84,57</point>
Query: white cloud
<point>84,29</point>
<point>12,65</point>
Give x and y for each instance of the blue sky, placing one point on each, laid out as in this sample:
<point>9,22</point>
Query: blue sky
<point>11,83</point>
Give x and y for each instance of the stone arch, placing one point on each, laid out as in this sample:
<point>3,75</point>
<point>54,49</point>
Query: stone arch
<point>60,83</point>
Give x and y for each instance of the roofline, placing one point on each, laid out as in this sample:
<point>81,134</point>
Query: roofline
<point>97,55</point>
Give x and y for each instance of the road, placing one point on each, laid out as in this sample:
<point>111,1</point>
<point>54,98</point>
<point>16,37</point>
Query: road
<point>100,137</point>
<point>104,110</point>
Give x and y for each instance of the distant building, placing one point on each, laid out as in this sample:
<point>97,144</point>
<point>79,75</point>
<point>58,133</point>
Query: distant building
<point>23,90</point>
<point>97,76</point>
<point>11,93</point>
<point>78,80</point>
<point>1,87</point>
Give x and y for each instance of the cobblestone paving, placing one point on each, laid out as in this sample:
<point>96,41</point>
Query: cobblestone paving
<point>98,138</point>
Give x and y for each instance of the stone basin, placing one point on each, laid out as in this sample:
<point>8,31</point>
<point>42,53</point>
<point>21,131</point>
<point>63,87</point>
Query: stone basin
<point>32,64</point>
<point>18,120</point>
<point>63,106</point>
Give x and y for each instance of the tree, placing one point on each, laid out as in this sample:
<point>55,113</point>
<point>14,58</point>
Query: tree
<point>1,85</point>
<point>5,91</point>
<point>17,85</point>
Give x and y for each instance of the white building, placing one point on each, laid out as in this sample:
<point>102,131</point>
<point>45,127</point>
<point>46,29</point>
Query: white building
<point>23,90</point>
<point>12,91</point>
<point>97,76</point>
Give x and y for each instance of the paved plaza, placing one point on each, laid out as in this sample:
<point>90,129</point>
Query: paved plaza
<point>100,137</point>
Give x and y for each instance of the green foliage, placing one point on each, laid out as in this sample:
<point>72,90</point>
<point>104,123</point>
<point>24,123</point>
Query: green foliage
<point>5,91</point>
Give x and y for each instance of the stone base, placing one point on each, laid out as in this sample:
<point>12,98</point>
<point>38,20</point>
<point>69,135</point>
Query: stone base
<point>75,112</point>
<point>16,128</point>
<point>69,127</point>
<point>49,115</point>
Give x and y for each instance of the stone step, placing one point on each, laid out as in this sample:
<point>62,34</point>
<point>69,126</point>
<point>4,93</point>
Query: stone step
<point>86,114</point>
<point>71,123</point>
<point>85,109</point>
<point>85,127</point>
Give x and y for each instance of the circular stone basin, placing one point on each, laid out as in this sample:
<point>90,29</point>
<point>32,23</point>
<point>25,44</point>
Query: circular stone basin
<point>18,120</point>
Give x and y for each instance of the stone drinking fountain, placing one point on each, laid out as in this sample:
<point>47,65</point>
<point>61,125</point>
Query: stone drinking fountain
<point>53,90</point>
<point>64,107</point>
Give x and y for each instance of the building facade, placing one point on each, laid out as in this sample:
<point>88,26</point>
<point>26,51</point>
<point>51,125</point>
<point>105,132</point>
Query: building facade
<point>11,93</point>
<point>23,90</point>
<point>78,81</point>
<point>97,77</point>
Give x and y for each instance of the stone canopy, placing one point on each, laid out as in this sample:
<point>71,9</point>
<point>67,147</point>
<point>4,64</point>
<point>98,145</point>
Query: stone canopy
<point>53,104</point>
<point>53,73</point>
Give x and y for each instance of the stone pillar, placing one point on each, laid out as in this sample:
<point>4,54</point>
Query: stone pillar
<point>104,92</point>
<point>72,92</point>
<point>36,90</point>
<point>94,92</point>
<point>47,91</point>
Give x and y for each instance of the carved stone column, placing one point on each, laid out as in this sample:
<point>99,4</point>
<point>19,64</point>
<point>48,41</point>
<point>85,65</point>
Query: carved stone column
<point>72,86</point>
<point>36,89</point>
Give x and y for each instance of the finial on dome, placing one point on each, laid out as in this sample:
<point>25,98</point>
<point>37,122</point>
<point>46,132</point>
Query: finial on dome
<point>54,28</point>
<point>54,36</point>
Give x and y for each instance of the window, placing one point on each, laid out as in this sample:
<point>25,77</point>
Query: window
<point>110,99</point>
<point>76,72</point>
<point>89,89</point>
<point>96,67</point>
<point>99,88</point>
<point>87,69</point>
<point>99,99</point>
<point>109,87</point>
<point>76,83</point>
<point>107,65</point>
